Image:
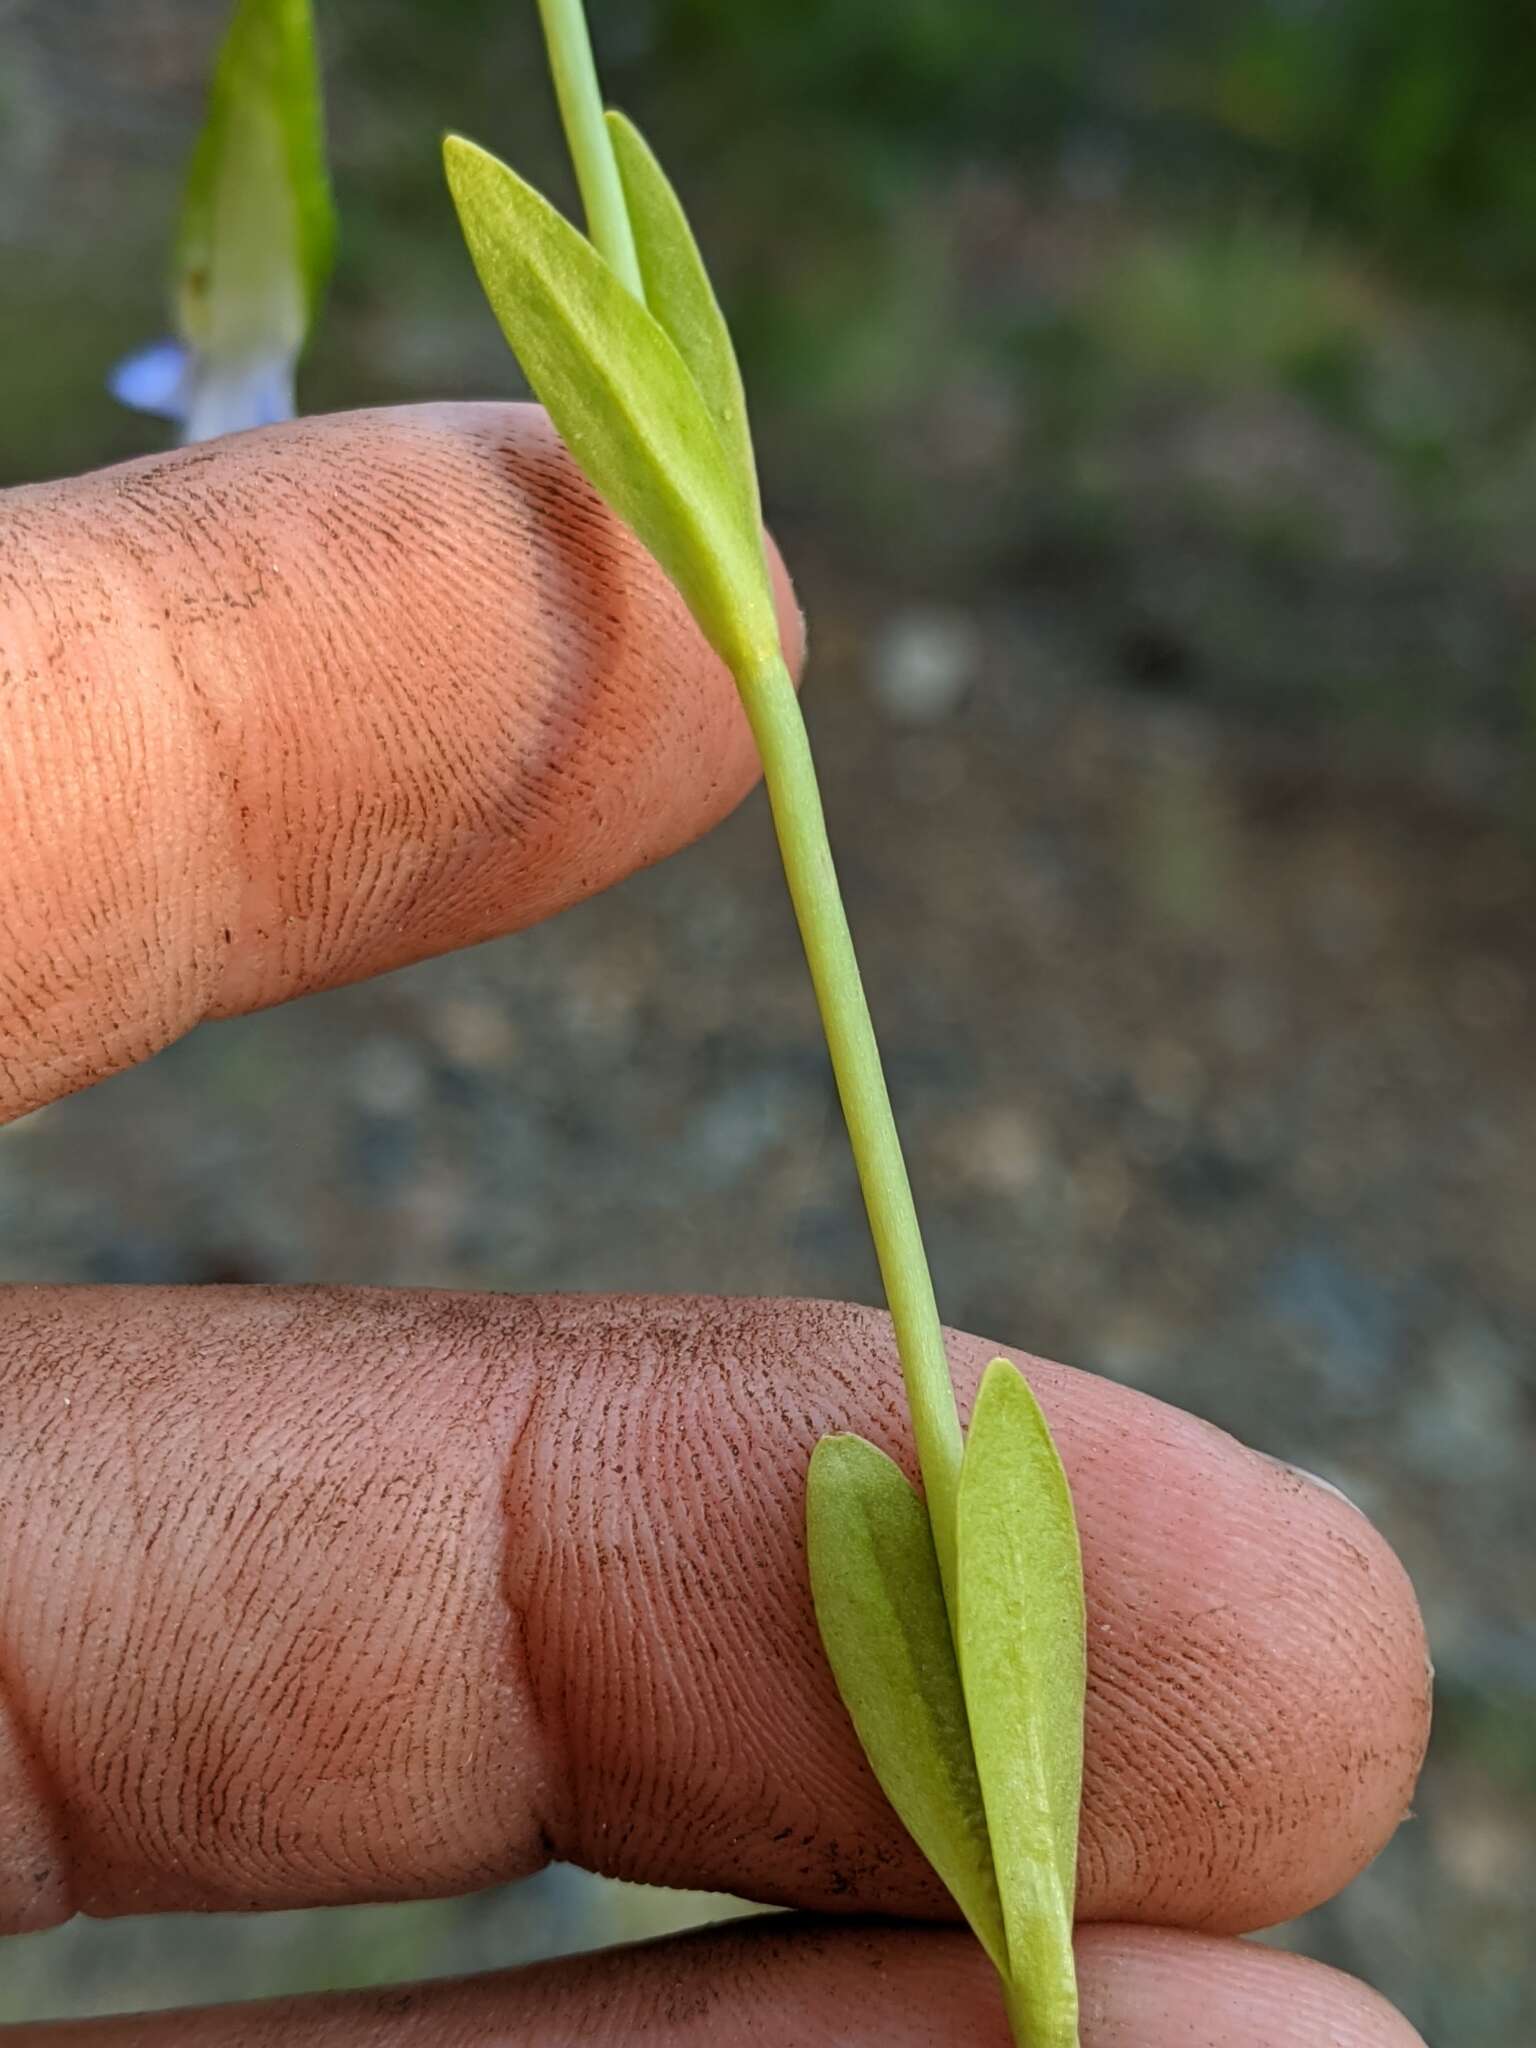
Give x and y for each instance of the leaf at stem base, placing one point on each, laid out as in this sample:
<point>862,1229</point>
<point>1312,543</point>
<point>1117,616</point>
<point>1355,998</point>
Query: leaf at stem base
<point>880,1606</point>
<point>1022,1640</point>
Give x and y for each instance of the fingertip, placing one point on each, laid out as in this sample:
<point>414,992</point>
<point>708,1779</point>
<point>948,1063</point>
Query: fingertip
<point>1161,1988</point>
<point>320,701</point>
<point>1259,1641</point>
<point>525,712</point>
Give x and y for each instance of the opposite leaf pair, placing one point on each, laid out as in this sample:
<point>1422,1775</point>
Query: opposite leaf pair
<point>647,396</point>
<point>972,1721</point>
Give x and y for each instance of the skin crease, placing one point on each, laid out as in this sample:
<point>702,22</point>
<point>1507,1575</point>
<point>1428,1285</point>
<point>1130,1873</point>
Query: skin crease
<point>308,1595</point>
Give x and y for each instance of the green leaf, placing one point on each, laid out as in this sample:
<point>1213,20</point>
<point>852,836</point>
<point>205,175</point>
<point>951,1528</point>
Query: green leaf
<point>679,293</point>
<point>880,1606</point>
<point>258,229</point>
<point>623,399</point>
<point>1022,1638</point>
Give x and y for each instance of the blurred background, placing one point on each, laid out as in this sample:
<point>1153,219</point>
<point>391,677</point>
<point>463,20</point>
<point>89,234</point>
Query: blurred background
<point>1147,403</point>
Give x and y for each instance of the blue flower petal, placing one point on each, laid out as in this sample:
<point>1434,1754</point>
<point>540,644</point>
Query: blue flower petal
<point>226,398</point>
<point>206,397</point>
<point>154,379</point>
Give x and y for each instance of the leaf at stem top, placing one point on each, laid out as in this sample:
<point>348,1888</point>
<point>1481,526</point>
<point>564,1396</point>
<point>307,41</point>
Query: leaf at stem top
<point>880,1607</point>
<point>1022,1640</point>
<point>623,398</point>
<point>258,228</point>
<point>679,293</point>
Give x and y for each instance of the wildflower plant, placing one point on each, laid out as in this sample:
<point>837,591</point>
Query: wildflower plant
<point>953,1620</point>
<point>257,234</point>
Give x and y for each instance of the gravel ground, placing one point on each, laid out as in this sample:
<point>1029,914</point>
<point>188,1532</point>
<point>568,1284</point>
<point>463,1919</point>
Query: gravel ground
<point>1212,1048</point>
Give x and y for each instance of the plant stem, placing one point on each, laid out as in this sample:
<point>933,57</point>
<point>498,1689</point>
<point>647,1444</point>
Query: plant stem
<point>779,729</point>
<point>1057,2027</point>
<point>586,134</point>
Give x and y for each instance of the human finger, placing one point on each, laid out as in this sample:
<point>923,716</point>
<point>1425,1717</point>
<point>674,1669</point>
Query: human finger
<point>312,1595</point>
<point>787,1980</point>
<point>303,705</point>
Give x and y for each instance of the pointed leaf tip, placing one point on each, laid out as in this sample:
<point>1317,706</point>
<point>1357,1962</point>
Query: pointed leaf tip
<point>679,293</point>
<point>622,397</point>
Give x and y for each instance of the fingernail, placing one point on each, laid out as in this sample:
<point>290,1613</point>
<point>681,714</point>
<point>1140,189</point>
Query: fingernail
<point>1316,1479</point>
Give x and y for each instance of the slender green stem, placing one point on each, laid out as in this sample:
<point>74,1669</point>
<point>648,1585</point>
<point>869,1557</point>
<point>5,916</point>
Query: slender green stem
<point>774,712</point>
<point>586,133</point>
<point>1055,2028</point>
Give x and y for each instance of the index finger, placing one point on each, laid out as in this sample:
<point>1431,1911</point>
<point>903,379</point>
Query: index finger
<point>301,706</point>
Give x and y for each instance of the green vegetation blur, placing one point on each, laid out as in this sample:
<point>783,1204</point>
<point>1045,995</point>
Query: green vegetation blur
<point>1013,285</point>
